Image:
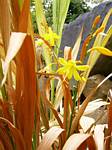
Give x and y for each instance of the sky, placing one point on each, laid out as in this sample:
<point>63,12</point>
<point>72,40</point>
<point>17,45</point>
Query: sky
<point>93,3</point>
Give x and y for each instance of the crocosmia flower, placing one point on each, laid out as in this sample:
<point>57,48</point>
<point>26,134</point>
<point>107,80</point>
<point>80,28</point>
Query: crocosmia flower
<point>71,68</point>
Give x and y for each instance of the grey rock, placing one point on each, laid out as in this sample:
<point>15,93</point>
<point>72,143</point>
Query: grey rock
<point>92,82</point>
<point>72,30</point>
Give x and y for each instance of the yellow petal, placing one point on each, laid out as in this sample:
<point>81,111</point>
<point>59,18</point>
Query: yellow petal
<point>62,61</point>
<point>51,41</point>
<point>76,75</point>
<point>56,37</point>
<point>102,50</point>
<point>46,37</point>
<point>61,70</point>
<point>70,73</point>
<point>82,67</point>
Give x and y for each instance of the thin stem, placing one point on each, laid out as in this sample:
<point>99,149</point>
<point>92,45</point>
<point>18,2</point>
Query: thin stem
<point>73,109</point>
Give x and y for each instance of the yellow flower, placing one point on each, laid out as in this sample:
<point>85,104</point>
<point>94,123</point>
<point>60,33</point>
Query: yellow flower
<point>70,68</point>
<point>102,50</point>
<point>51,37</point>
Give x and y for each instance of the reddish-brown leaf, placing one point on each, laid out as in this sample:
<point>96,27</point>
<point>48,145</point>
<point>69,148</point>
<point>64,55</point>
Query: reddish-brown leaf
<point>26,90</point>
<point>84,47</point>
<point>67,102</point>
<point>67,53</point>
<point>5,138</point>
<point>1,146</point>
<point>23,18</point>
<point>5,106</point>
<point>108,139</point>
<point>5,22</point>
<point>81,111</point>
<point>15,14</point>
<point>55,112</point>
<point>18,138</point>
<point>110,111</point>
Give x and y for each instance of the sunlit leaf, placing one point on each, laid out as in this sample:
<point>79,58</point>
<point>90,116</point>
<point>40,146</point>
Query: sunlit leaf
<point>40,18</point>
<point>16,41</point>
<point>67,53</point>
<point>59,16</point>
<point>86,122</point>
<point>107,37</point>
<point>43,29</point>
<point>49,138</point>
<point>94,105</point>
<point>105,21</point>
<point>76,47</point>
<point>75,140</point>
<point>99,136</point>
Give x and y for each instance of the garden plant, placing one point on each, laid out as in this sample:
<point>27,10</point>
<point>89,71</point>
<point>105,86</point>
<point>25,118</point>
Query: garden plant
<point>39,110</point>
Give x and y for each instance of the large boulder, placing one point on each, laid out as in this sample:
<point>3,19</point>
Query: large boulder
<point>94,81</point>
<point>72,30</point>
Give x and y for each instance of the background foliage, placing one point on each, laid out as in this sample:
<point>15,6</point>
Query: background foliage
<point>76,8</point>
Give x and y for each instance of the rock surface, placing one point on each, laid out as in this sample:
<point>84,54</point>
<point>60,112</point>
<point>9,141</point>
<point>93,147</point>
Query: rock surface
<point>92,82</point>
<point>72,30</point>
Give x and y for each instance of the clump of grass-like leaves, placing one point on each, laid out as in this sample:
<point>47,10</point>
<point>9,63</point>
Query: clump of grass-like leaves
<point>35,111</point>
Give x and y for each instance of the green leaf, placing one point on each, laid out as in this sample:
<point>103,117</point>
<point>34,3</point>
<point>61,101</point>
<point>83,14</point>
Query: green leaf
<point>60,8</point>
<point>43,29</point>
<point>40,17</point>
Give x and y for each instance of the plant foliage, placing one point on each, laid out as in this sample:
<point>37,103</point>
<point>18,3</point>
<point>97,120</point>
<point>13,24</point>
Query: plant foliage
<point>35,111</point>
